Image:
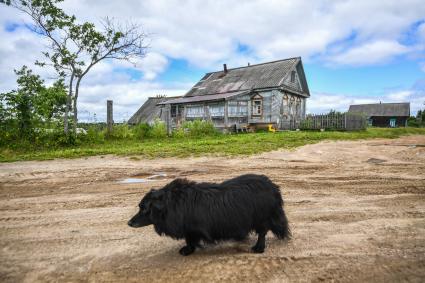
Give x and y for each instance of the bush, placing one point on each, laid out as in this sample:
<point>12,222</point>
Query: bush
<point>197,128</point>
<point>142,131</point>
<point>158,130</point>
<point>93,135</point>
<point>412,122</point>
<point>121,131</point>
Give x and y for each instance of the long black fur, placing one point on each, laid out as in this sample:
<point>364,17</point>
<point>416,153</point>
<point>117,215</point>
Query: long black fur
<point>212,212</point>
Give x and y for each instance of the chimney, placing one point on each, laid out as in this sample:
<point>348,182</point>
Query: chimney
<point>225,68</point>
<point>249,64</point>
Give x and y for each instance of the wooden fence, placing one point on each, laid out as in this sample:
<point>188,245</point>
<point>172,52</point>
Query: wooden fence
<point>333,121</point>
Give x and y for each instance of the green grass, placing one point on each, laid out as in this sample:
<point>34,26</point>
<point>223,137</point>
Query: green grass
<point>223,145</point>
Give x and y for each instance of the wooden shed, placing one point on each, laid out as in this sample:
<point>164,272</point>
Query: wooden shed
<point>384,114</point>
<point>150,110</point>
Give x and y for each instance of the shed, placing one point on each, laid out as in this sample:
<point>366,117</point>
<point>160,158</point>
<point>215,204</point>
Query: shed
<point>384,114</point>
<point>150,110</point>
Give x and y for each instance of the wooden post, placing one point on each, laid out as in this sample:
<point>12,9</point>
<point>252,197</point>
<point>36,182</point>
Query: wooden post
<point>226,117</point>
<point>184,113</point>
<point>168,119</point>
<point>109,116</point>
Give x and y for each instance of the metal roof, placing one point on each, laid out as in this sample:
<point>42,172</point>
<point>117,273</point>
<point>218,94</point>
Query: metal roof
<point>382,109</point>
<point>265,75</point>
<point>201,98</point>
<point>149,111</point>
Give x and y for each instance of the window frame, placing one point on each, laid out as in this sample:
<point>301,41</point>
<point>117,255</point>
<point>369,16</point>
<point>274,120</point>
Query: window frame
<point>254,99</point>
<point>237,108</point>
<point>195,114</point>
<point>213,107</point>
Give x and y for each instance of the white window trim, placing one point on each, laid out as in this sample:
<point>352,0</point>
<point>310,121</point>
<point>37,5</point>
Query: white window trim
<point>254,107</point>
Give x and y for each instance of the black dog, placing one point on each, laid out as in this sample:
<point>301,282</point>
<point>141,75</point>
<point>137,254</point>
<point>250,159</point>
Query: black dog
<point>215,212</point>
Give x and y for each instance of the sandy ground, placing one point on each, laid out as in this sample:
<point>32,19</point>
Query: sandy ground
<point>356,209</point>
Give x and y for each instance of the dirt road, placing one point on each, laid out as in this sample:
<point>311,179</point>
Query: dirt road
<point>357,213</point>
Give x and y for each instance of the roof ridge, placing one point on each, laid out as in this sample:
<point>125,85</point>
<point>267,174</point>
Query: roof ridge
<point>259,64</point>
<point>155,97</point>
<point>378,103</point>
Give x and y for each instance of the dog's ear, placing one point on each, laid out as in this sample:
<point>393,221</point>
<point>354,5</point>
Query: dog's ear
<point>158,201</point>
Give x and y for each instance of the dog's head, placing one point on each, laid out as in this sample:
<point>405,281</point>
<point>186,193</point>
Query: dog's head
<point>151,208</point>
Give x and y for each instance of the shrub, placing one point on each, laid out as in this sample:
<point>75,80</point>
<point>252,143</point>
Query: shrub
<point>179,133</point>
<point>93,135</point>
<point>158,130</point>
<point>121,131</point>
<point>142,131</point>
<point>412,122</point>
<point>198,128</point>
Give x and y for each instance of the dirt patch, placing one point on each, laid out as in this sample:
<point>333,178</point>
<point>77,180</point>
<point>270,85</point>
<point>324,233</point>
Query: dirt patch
<point>356,209</point>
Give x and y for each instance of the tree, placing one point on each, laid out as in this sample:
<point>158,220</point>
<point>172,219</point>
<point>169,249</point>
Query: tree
<point>32,103</point>
<point>21,101</point>
<point>50,103</point>
<point>75,48</point>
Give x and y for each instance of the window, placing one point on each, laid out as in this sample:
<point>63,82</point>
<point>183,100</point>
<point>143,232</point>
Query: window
<point>237,108</point>
<point>257,107</point>
<point>292,76</point>
<point>216,110</point>
<point>176,110</point>
<point>195,111</point>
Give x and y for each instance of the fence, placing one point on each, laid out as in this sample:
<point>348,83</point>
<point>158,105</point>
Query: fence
<point>333,121</point>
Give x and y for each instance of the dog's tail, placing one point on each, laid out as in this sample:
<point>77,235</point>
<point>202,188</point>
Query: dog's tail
<point>280,226</point>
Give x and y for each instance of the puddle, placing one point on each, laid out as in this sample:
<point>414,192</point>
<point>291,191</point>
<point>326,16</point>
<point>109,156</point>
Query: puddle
<point>375,160</point>
<point>135,179</point>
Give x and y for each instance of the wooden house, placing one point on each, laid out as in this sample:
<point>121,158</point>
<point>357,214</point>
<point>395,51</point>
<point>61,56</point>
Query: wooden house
<point>384,114</point>
<point>255,95</point>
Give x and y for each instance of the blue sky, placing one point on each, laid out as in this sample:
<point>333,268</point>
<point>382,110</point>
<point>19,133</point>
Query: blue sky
<point>353,51</point>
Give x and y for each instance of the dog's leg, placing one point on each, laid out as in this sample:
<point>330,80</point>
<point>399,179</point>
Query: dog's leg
<point>261,243</point>
<point>191,244</point>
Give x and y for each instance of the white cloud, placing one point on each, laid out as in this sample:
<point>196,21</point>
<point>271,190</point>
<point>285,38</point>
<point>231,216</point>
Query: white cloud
<point>370,53</point>
<point>400,95</point>
<point>421,32</point>
<point>127,97</point>
<point>152,65</point>
<point>207,34</point>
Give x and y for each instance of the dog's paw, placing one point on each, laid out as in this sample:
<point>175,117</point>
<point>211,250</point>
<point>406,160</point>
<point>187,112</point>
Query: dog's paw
<point>186,250</point>
<point>257,250</point>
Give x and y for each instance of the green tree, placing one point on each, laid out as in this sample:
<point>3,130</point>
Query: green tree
<point>76,47</point>
<point>32,104</point>
<point>50,103</point>
<point>20,102</point>
<point>420,116</point>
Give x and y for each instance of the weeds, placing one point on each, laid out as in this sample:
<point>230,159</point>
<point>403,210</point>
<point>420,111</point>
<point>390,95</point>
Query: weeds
<point>186,145</point>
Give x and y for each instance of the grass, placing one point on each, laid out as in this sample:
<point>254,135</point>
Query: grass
<point>222,145</point>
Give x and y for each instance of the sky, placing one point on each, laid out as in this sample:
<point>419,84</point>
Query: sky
<point>353,51</point>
